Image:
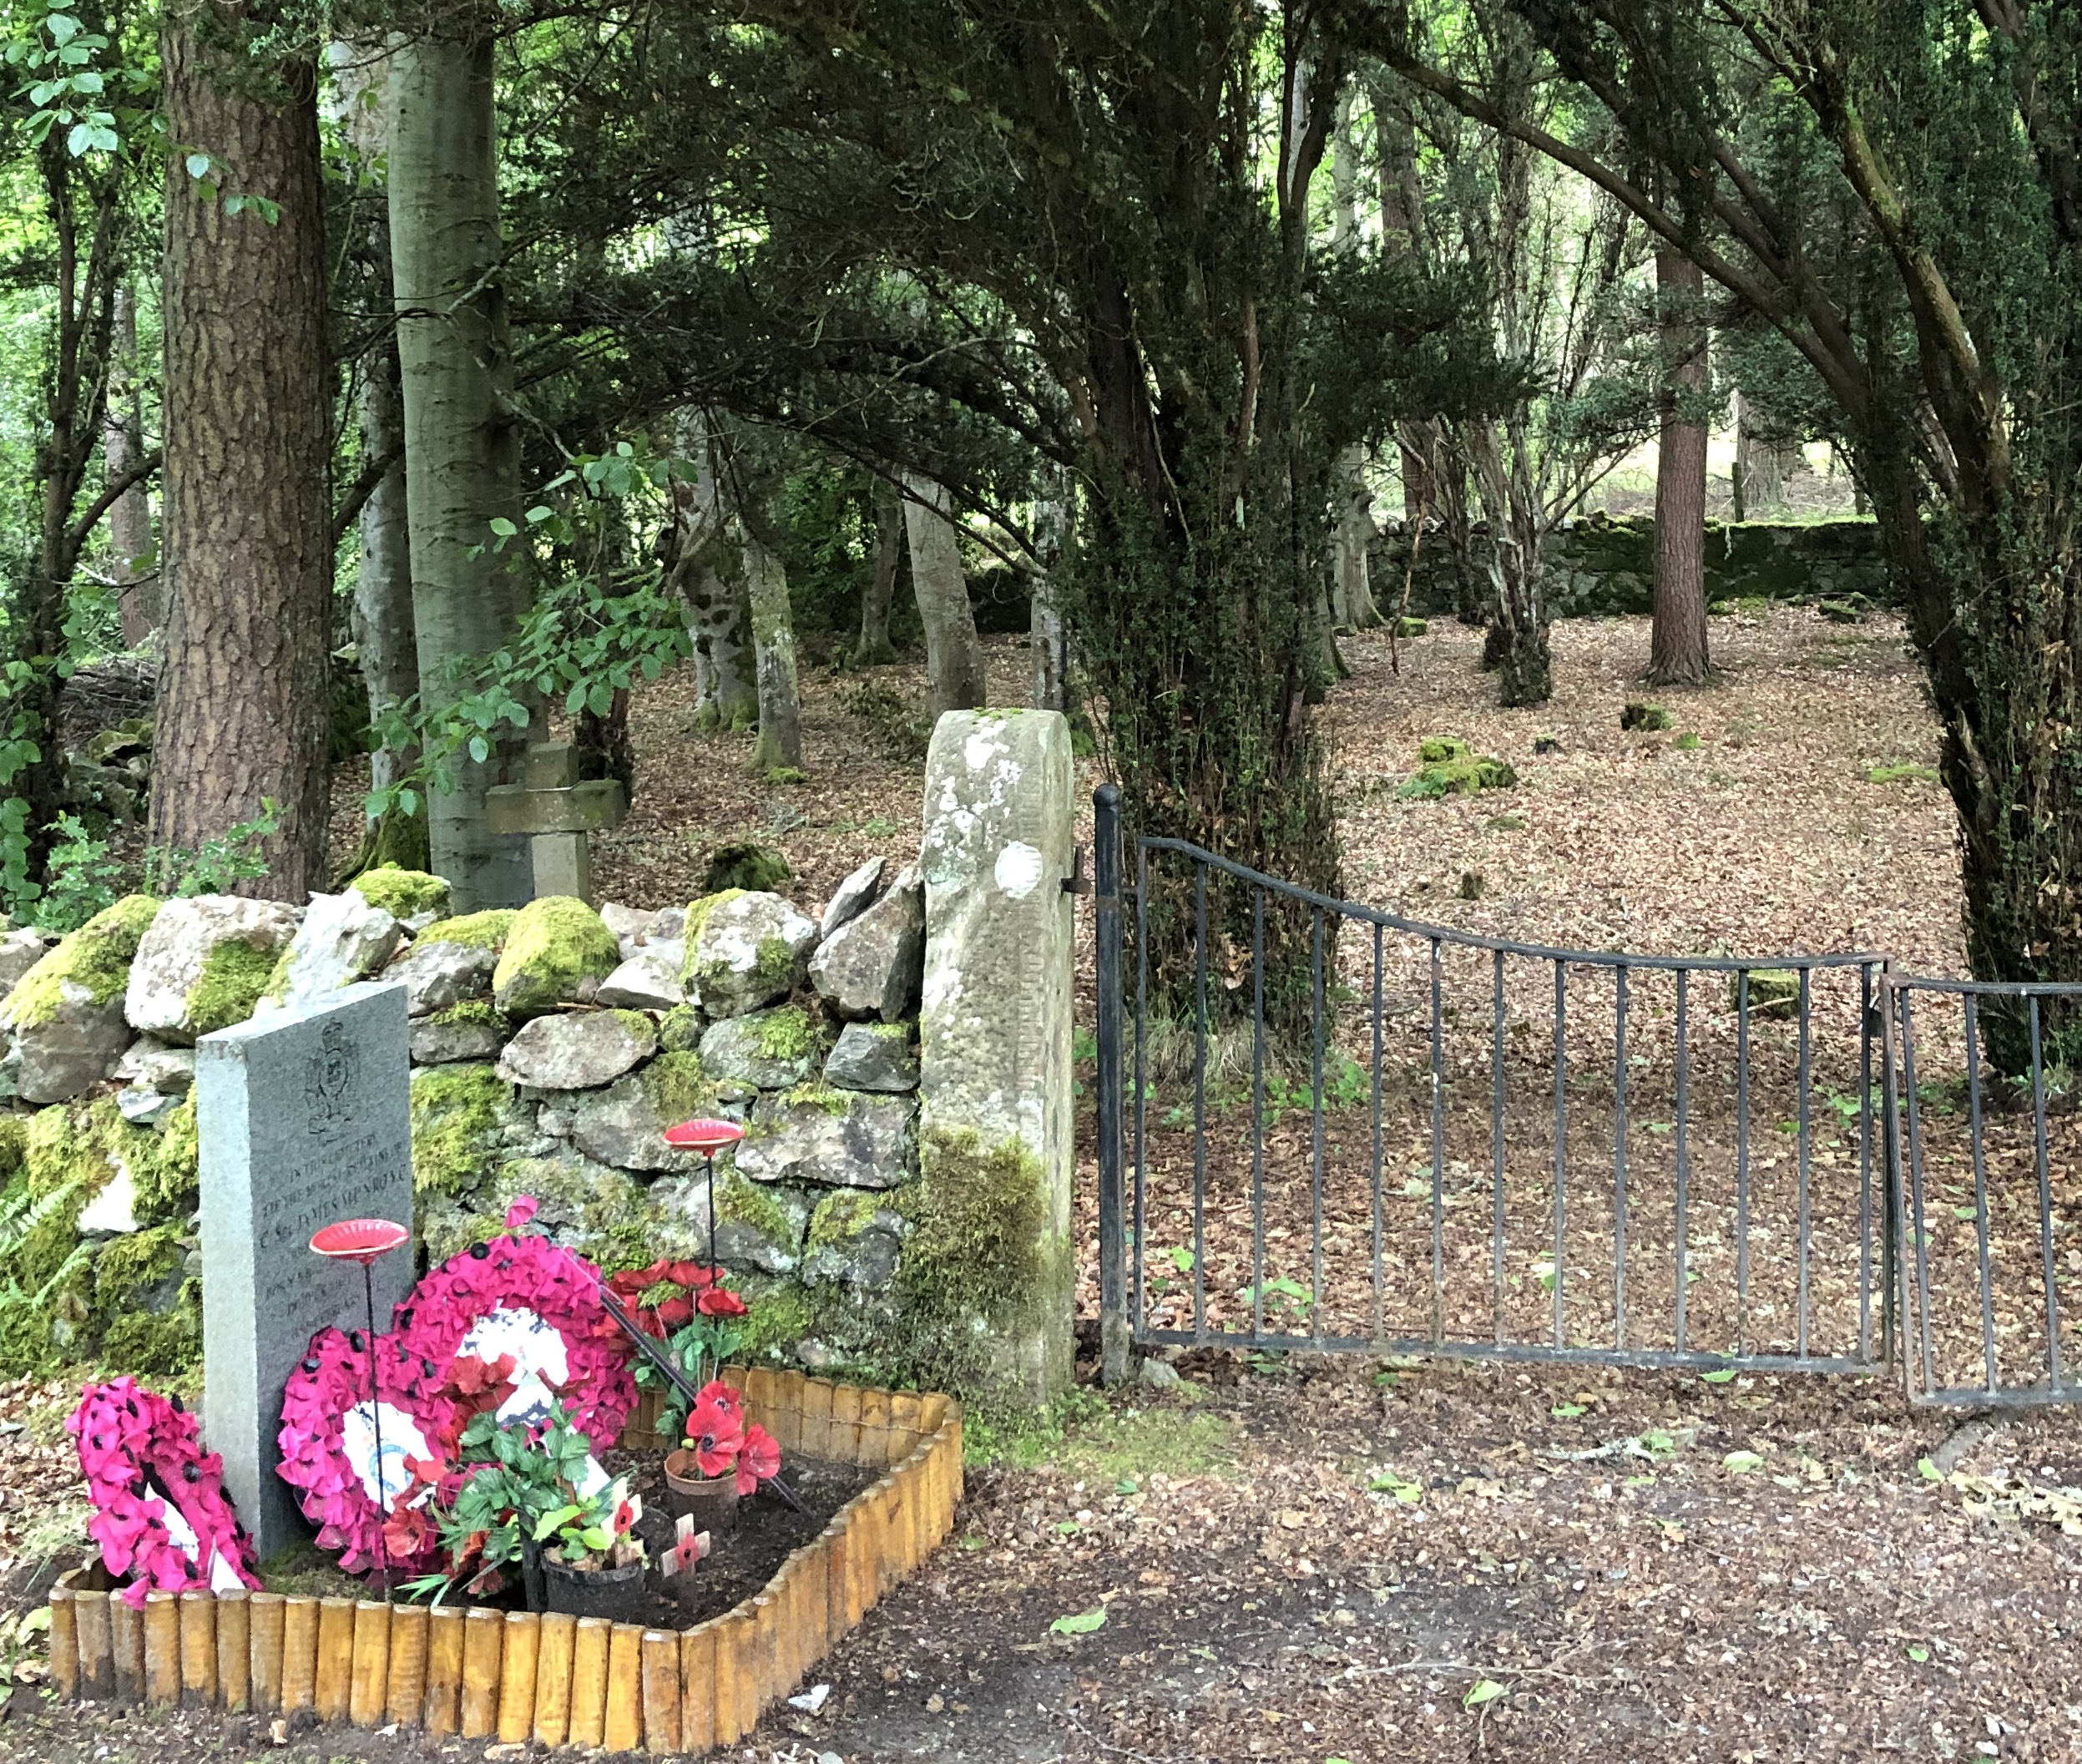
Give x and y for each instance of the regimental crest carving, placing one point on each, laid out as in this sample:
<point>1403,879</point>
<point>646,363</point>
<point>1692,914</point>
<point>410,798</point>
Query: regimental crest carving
<point>330,1079</point>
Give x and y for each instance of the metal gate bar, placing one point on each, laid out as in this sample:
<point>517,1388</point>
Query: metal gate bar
<point>1759,1336</point>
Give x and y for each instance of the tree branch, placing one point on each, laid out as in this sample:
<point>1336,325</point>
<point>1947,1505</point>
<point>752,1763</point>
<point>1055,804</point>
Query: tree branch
<point>112,492</point>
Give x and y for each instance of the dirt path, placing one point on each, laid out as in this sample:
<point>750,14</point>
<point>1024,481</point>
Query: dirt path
<point>1326,1560</point>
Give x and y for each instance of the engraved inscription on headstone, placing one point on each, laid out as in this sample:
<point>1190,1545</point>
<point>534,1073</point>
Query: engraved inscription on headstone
<point>304,1119</point>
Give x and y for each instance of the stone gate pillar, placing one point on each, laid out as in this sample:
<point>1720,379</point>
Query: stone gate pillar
<point>992,1257</point>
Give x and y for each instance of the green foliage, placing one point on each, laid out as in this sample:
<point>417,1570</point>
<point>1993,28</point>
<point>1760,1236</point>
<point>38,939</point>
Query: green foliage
<point>84,877</point>
<point>597,624</point>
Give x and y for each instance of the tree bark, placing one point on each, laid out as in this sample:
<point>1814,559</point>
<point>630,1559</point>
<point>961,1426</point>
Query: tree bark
<point>1677,637</point>
<point>774,648</point>
<point>874,647</point>
<point>139,604</point>
<point>953,657</point>
<point>243,712</point>
<point>462,454</point>
<point>1353,607</point>
<point>1047,637</point>
<point>708,573</point>
<point>1518,616</point>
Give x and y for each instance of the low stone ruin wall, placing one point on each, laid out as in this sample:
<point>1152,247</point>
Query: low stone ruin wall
<point>552,1046</point>
<point>1598,567</point>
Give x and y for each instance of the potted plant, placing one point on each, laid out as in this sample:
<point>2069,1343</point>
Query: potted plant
<point>724,1457</point>
<point>530,1497</point>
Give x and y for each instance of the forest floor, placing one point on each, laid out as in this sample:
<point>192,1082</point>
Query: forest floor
<point>1305,1559</point>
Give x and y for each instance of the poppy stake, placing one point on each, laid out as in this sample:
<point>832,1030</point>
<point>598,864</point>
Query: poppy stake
<point>707,1137</point>
<point>364,1240</point>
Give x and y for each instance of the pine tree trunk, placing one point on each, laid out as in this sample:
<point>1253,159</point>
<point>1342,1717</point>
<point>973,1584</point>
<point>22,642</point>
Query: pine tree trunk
<point>953,658</point>
<point>774,646</point>
<point>874,647</point>
<point>1677,637</point>
<point>462,454</point>
<point>140,603</point>
<point>243,712</point>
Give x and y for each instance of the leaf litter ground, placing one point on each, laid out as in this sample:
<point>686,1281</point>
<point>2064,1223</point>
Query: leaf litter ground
<point>1306,1558</point>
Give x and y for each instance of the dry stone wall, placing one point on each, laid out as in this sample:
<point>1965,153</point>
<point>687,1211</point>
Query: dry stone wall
<point>550,1048</point>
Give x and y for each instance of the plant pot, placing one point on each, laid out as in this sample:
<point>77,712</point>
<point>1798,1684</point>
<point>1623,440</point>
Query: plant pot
<point>712,1500</point>
<point>595,1592</point>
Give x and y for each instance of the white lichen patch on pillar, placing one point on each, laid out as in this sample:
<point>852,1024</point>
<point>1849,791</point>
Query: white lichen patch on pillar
<point>994,1033</point>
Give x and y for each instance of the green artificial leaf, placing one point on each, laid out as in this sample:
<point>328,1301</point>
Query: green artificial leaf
<point>1482,1691</point>
<point>551,1523</point>
<point>1081,1624</point>
<point>1741,1464</point>
<point>1725,1376</point>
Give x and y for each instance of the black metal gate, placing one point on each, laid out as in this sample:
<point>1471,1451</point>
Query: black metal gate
<point>1461,1145</point>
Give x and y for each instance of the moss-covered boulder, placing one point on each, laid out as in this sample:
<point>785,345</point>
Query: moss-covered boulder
<point>603,1213</point>
<point>414,898</point>
<point>554,948</point>
<point>342,939</point>
<point>485,930</point>
<point>772,1049</point>
<point>1450,768</point>
<point>744,950</point>
<point>460,1118</point>
<point>203,964</point>
<point>760,1226</point>
<point>64,1018</point>
<point>745,867</point>
<point>1773,993</point>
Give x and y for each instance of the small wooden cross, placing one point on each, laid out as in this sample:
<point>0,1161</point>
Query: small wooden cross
<point>556,812</point>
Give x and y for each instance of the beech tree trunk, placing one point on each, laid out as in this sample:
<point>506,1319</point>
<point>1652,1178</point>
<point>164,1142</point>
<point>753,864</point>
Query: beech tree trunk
<point>140,603</point>
<point>462,454</point>
<point>1677,639</point>
<point>1518,617</point>
<point>774,648</point>
<point>880,591</point>
<point>953,657</point>
<point>1352,606</point>
<point>243,709</point>
<point>708,572</point>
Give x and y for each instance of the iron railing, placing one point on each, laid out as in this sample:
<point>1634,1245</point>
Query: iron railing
<point>1619,1159</point>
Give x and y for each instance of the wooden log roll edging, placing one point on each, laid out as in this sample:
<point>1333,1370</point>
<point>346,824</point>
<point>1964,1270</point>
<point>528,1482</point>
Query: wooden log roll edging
<point>512,1676</point>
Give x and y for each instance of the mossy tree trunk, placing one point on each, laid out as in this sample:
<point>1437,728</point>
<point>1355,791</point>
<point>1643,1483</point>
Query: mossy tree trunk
<point>1677,636</point>
<point>708,571</point>
<point>774,645</point>
<point>244,710</point>
<point>953,657</point>
<point>1518,616</point>
<point>875,599</point>
<point>463,457</point>
<point>140,604</point>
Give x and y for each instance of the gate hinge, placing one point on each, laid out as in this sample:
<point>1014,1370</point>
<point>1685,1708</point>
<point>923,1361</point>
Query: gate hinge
<point>1077,881</point>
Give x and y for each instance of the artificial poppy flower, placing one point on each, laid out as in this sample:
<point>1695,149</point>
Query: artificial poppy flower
<point>714,1434</point>
<point>692,1275</point>
<point>721,1302</point>
<point>520,1212</point>
<point>759,1460</point>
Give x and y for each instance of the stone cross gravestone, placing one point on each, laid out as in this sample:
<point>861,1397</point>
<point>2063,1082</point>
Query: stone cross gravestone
<point>305,1118</point>
<point>558,813</point>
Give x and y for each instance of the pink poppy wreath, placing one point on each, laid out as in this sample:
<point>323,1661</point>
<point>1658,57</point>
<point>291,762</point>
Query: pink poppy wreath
<point>329,1437</point>
<point>160,1513</point>
<point>536,1302</point>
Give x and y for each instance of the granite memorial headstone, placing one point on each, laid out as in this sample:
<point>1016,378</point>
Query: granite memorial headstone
<point>305,1118</point>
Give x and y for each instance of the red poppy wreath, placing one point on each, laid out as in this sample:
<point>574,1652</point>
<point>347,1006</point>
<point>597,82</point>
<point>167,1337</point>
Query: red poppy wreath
<point>160,1514</point>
